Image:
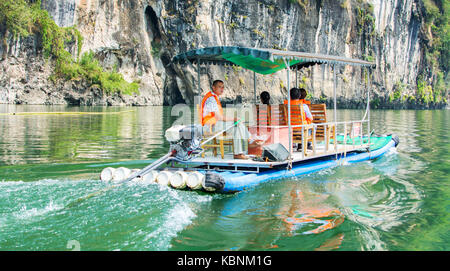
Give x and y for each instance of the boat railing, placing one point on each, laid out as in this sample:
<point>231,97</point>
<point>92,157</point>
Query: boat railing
<point>351,136</point>
<point>351,132</point>
<point>316,124</point>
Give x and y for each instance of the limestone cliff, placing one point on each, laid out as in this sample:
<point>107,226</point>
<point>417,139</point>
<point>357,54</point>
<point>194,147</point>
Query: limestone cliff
<point>139,37</point>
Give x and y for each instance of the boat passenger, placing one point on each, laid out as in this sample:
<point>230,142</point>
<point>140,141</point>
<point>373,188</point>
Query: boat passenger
<point>263,111</point>
<point>294,93</point>
<point>212,114</point>
<point>303,94</point>
<point>306,118</point>
<point>295,100</point>
<point>265,97</point>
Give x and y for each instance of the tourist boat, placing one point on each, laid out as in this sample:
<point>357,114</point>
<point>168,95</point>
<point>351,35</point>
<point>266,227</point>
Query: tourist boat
<point>332,143</point>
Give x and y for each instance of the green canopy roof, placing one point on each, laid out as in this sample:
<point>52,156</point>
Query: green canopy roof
<point>260,60</point>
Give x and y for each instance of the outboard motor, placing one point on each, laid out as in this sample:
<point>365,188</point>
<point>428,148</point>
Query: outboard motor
<point>185,140</point>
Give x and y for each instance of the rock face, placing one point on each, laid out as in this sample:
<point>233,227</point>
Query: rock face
<point>139,37</point>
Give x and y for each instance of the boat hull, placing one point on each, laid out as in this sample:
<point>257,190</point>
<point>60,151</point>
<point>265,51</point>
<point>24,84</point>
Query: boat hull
<point>238,181</point>
<point>222,180</point>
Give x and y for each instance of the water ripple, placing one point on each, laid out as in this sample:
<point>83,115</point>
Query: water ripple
<point>399,201</point>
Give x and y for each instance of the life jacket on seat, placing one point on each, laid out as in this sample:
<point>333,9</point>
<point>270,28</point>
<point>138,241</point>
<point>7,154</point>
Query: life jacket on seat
<point>209,118</point>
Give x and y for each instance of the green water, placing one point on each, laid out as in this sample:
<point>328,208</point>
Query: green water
<point>400,201</point>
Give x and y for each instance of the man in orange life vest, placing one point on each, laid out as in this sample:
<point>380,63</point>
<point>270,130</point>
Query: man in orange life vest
<point>212,114</point>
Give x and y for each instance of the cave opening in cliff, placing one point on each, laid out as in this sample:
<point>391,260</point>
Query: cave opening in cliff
<point>152,25</point>
<point>172,94</point>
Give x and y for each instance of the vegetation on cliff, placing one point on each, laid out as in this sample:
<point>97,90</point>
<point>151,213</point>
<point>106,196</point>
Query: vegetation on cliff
<point>438,31</point>
<point>426,85</point>
<point>23,18</point>
<point>433,83</point>
<point>437,51</point>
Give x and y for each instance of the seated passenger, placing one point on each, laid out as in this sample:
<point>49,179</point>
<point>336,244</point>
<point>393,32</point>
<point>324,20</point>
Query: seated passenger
<point>265,97</point>
<point>212,114</point>
<point>295,100</point>
<point>306,117</point>
<point>295,95</point>
<point>263,112</point>
<point>303,94</point>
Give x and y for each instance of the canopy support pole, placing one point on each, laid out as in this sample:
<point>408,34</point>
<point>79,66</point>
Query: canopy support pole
<point>289,113</point>
<point>296,77</point>
<point>255,100</point>
<point>199,91</point>
<point>335,107</point>
<point>198,76</point>
<point>368,103</point>
<point>334,93</point>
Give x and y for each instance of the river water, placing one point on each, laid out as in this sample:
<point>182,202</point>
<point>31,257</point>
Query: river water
<point>400,201</point>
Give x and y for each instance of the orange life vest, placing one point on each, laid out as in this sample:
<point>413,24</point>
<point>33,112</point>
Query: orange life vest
<point>210,118</point>
<point>309,121</point>
<point>304,119</point>
<point>305,101</point>
<point>293,102</point>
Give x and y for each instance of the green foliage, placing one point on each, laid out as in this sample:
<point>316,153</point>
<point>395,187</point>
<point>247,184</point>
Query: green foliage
<point>398,94</point>
<point>438,31</point>
<point>369,58</point>
<point>259,33</point>
<point>432,11</point>
<point>232,25</point>
<point>15,16</point>
<point>364,18</point>
<point>375,103</point>
<point>277,47</point>
<point>302,3</point>
<point>156,48</point>
<point>79,38</point>
<point>89,68</point>
<point>20,18</point>
<point>440,86</point>
<point>236,69</point>
<point>424,92</point>
<point>303,84</point>
<point>344,4</point>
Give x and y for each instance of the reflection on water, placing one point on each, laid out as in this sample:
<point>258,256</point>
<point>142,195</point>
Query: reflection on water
<point>303,213</point>
<point>69,138</point>
<point>398,202</point>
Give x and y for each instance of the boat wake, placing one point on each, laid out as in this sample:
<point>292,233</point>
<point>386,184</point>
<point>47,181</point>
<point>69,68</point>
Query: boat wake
<point>136,216</point>
<point>378,202</point>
